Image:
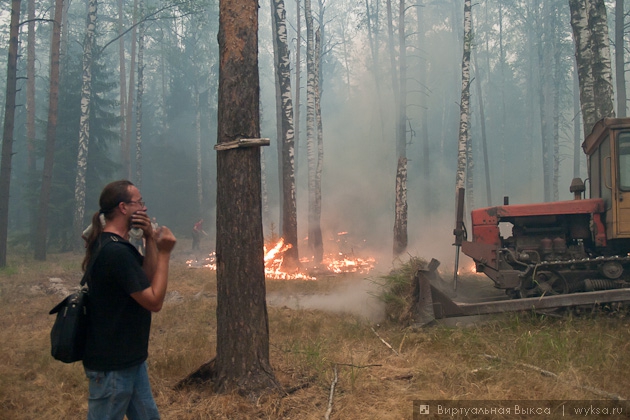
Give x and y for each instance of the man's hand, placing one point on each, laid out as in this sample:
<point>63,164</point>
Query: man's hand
<point>141,220</point>
<point>165,239</point>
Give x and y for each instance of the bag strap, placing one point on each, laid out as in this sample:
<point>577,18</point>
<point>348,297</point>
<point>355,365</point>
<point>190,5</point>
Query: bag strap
<point>88,270</point>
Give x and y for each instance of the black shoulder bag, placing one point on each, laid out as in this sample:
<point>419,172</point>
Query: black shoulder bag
<point>69,332</point>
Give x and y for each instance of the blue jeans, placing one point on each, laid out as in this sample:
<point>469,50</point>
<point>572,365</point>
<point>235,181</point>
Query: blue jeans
<point>118,392</point>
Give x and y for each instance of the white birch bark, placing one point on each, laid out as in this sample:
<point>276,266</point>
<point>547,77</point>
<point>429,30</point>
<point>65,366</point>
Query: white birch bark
<point>602,63</point>
<point>400,213</point>
<point>314,231</point>
<point>592,53</point>
<point>464,108</point>
<point>286,137</point>
<point>84,122</point>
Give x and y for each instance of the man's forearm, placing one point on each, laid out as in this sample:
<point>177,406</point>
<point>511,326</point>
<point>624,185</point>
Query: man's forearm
<point>150,258</point>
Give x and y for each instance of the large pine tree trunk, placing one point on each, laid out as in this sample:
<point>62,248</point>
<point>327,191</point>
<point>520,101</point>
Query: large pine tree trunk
<point>7,132</point>
<point>51,134</point>
<point>84,125</point>
<point>286,138</point>
<point>242,360</point>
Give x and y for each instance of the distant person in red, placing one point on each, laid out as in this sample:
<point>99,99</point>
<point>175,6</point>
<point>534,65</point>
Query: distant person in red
<point>196,234</point>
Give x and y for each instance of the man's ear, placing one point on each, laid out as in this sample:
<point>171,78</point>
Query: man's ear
<point>122,207</point>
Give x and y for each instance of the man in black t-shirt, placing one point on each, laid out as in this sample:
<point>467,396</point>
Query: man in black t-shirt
<point>125,288</point>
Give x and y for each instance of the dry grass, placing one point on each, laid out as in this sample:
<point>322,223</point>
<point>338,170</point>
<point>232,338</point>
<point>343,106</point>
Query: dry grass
<point>440,362</point>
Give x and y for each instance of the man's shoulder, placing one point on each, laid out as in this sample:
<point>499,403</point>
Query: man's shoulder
<point>112,243</point>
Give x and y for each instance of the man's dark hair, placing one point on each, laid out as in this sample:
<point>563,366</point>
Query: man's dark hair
<point>114,193</point>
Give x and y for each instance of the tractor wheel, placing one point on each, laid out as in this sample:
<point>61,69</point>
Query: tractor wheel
<point>547,283</point>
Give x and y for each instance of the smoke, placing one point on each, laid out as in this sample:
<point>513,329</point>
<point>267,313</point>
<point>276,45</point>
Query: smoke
<point>355,296</point>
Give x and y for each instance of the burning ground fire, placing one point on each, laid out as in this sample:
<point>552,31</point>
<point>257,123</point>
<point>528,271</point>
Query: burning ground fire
<point>274,255</point>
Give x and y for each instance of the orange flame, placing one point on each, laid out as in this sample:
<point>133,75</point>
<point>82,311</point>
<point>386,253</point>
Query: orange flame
<point>274,257</point>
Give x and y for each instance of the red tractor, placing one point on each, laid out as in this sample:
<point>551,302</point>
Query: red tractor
<point>562,247</point>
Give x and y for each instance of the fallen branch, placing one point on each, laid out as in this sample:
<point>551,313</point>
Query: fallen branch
<point>356,366</point>
<point>332,392</point>
<point>385,342</point>
<point>296,388</point>
<point>547,373</point>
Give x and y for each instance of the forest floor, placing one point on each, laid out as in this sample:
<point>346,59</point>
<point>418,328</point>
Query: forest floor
<point>332,347</point>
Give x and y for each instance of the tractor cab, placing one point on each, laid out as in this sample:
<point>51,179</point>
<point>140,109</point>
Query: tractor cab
<point>608,152</point>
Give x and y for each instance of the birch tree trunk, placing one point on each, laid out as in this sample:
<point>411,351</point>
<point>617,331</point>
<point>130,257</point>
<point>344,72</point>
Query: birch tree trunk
<point>592,54</point>
<point>279,132</point>
<point>7,132</point>
<point>84,125</point>
<point>602,63</point>
<point>464,107</point>
<point>242,361</point>
<point>315,243</point>
<point>298,84</point>
<point>400,206</point>
<point>620,61</point>
<point>51,133</point>
<point>286,138</point>
<point>139,95</point>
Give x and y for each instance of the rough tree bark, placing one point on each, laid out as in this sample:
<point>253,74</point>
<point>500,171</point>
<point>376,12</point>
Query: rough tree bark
<point>84,124</point>
<point>51,134</point>
<point>242,360</point>
<point>7,132</point>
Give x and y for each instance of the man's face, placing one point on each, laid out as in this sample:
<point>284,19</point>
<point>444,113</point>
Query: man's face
<point>134,204</point>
